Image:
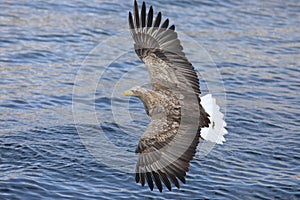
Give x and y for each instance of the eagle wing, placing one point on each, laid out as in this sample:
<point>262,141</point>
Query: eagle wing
<point>166,149</point>
<point>164,159</point>
<point>158,46</point>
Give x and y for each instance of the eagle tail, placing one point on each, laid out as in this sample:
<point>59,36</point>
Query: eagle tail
<point>216,130</point>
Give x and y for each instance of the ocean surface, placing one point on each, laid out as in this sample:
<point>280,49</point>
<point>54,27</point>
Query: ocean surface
<point>67,132</point>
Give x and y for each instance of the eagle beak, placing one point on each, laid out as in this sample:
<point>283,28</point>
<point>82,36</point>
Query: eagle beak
<point>127,93</point>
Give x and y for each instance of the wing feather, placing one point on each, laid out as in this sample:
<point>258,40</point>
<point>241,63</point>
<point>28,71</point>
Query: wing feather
<point>149,38</point>
<point>172,27</point>
<point>136,15</point>
<point>173,179</point>
<point>165,179</point>
<point>165,24</point>
<point>150,17</point>
<point>157,180</point>
<point>164,155</point>
<point>149,180</point>
<point>143,14</point>
<point>157,20</point>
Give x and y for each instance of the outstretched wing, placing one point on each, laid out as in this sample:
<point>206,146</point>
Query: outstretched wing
<point>158,46</point>
<point>167,147</point>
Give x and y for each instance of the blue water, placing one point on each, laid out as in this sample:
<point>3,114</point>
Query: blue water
<point>44,45</point>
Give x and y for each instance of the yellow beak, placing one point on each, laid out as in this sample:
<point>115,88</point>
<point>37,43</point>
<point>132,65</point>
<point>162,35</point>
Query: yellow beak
<point>127,93</point>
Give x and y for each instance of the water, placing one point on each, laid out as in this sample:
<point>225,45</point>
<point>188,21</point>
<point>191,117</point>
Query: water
<point>255,46</point>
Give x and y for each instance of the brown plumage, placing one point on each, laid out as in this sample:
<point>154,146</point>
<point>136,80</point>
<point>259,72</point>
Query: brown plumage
<point>169,144</point>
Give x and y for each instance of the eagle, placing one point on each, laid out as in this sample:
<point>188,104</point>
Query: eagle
<point>179,117</point>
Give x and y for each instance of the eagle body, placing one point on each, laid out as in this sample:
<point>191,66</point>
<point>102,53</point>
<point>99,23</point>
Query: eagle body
<point>164,109</point>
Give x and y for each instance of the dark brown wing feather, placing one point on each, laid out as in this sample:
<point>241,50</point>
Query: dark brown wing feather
<point>153,41</point>
<point>162,159</point>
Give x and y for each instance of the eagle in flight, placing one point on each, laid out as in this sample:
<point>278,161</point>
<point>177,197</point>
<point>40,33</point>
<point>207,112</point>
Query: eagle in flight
<point>179,117</point>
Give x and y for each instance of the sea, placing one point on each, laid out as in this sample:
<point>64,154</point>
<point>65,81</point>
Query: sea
<point>67,131</point>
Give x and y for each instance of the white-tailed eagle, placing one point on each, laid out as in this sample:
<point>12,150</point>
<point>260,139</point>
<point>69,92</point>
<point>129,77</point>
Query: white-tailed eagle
<point>179,117</point>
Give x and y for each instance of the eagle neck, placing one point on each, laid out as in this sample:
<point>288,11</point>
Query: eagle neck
<point>150,98</point>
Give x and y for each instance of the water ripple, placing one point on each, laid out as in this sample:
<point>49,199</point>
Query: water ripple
<point>254,45</point>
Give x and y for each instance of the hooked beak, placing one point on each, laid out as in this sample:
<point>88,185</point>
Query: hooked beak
<point>128,93</point>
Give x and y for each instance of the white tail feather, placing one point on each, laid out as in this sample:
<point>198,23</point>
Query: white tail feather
<point>216,130</point>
